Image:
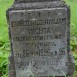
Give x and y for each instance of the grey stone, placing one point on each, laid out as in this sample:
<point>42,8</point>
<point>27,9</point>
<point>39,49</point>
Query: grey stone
<point>25,1</point>
<point>39,32</point>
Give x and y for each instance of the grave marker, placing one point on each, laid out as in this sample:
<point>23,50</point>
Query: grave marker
<point>39,33</point>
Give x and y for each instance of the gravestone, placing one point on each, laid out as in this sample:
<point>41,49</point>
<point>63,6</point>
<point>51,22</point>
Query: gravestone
<point>39,32</point>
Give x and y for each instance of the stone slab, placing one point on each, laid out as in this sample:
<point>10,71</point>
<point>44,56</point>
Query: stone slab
<point>39,41</point>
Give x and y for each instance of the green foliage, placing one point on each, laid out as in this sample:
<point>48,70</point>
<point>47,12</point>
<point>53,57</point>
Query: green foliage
<point>4,4</point>
<point>73,7</point>
<point>73,42</point>
<point>4,40</point>
<point>75,57</point>
<point>4,53</point>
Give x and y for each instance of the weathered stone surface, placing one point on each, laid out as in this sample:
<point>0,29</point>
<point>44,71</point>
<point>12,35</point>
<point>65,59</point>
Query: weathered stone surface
<point>40,39</point>
<point>25,1</point>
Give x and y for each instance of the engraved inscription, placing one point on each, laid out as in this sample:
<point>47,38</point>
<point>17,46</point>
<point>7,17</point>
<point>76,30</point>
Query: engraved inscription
<point>39,22</point>
<point>40,41</point>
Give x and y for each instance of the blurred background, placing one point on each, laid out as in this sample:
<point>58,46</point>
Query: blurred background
<point>4,39</point>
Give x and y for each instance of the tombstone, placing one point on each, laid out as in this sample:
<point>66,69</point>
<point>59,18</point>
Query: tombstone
<point>39,32</point>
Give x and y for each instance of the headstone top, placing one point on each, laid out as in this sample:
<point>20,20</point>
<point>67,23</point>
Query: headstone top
<point>25,1</point>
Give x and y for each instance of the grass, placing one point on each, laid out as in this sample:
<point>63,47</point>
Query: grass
<point>4,39</point>
<point>4,4</point>
<point>73,6</point>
